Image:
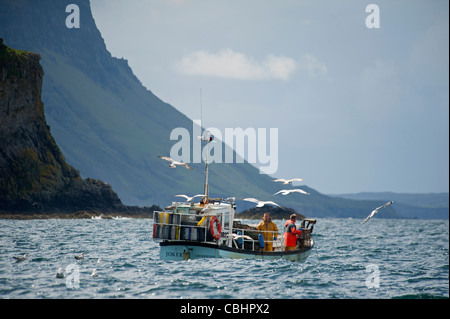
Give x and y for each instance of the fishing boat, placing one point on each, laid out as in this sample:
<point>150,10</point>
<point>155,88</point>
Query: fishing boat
<point>208,229</point>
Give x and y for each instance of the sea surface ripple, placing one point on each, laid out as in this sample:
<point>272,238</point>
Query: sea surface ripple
<point>409,259</point>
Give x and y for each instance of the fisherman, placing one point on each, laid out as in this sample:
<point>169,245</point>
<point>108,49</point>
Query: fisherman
<point>269,230</point>
<point>291,233</point>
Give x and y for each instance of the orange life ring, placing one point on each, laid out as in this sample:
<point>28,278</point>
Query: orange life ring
<point>215,220</point>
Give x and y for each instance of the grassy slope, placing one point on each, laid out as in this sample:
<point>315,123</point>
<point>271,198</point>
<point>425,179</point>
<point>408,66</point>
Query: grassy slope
<point>110,127</point>
<point>117,136</point>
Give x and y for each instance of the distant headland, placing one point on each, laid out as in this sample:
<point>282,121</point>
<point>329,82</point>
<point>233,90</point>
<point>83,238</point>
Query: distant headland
<point>35,179</point>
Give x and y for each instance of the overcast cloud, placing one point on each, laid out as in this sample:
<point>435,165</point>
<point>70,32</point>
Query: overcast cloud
<point>234,65</point>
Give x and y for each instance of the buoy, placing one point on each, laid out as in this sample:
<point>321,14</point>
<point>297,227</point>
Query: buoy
<point>261,240</point>
<point>214,233</point>
<point>240,241</point>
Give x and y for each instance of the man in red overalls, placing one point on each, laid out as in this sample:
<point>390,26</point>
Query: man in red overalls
<point>290,233</point>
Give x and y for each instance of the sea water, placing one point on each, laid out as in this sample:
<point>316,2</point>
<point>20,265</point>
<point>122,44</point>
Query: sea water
<point>380,259</point>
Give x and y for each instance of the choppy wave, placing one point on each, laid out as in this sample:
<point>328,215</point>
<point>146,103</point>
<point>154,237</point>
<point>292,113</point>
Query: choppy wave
<point>409,257</point>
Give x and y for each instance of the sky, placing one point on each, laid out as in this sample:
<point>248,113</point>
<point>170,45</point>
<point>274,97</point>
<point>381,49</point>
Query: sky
<point>360,99</point>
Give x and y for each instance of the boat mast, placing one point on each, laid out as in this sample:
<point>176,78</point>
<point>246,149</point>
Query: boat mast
<point>206,190</point>
<point>204,137</point>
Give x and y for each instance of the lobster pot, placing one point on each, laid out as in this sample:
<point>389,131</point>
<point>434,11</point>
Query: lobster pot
<point>155,230</point>
<point>161,218</point>
<point>193,234</point>
<point>174,232</point>
<point>188,233</point>
<point>305,238</point>
<point>201,234</point>
<point>164,232</point>
<point>186,229</point>
<point>176,219</point>
<point>177,234</point>
<point>185,232</point>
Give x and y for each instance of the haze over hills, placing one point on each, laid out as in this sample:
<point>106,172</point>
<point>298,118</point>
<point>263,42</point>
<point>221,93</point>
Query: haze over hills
<point>431,206</point>
<point>110,127</point>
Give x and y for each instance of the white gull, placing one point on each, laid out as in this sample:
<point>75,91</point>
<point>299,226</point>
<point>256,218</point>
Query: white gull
<point>376,211</point>
<point>60,273</point>
<point>288,191</point>
<point>173,163</point>
<point>188,199</point>
<point>260,203</point>
<point>79,257</point>
<point>288,181</point>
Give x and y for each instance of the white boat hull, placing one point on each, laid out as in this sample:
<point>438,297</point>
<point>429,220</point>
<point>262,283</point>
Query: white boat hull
<point>184,250</point>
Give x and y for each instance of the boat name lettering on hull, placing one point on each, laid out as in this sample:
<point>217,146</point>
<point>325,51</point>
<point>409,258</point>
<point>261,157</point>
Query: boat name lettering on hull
<point>173,254</point>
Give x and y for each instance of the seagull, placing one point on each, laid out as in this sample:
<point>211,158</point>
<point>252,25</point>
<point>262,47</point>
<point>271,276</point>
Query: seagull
<point>80,257</point>
<point>288,191</point>
<point>206,209</point>
<point>288,181</point>
<point>173,163</point>
<point>60,273</point>
<point>260,203</point>
<point>230,200</point>
<point>94,273</point>
<point>188,199</point>
<point>21,258</point>
<point>376,211</point>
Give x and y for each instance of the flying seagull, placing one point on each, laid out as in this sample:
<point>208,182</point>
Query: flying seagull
<point>79,257</point>
<point>288,181</point>
<point>288,191</point>
<point>21,258</point>
<point>173,163</point>
<point>188,199</point>
<point>260,203</point>
<point>230,200</point>
<point>376,211</point>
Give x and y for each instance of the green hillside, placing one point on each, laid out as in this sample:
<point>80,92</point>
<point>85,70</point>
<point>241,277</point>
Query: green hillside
<point>110,127</point>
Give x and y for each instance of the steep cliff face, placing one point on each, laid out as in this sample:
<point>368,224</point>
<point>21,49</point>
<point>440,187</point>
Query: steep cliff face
<point>99,111</point>
<point>34,175</point>
<point>110,127</point>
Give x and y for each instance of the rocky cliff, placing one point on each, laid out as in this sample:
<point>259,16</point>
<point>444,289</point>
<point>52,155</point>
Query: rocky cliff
<point>34,176</point>
<point>110,127</point>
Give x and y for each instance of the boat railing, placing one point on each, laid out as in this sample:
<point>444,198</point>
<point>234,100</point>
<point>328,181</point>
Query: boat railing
<point>181,226</point>
<point>173,226</point>
<point>249,239</point>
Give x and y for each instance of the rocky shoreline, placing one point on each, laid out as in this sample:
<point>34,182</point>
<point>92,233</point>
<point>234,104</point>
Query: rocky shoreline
<point>275,213</point>
<point>134,212</point>
<point>36,182</point>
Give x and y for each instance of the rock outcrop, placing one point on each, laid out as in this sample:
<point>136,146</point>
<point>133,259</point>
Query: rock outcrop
<point>34,176</point>
<point>275,213</point>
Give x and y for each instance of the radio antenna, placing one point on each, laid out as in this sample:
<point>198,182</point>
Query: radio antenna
<point>204,137</point>
<point>201,110</point>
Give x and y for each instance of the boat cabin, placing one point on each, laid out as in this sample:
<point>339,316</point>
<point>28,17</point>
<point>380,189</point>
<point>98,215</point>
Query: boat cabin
<point>213,222</point>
